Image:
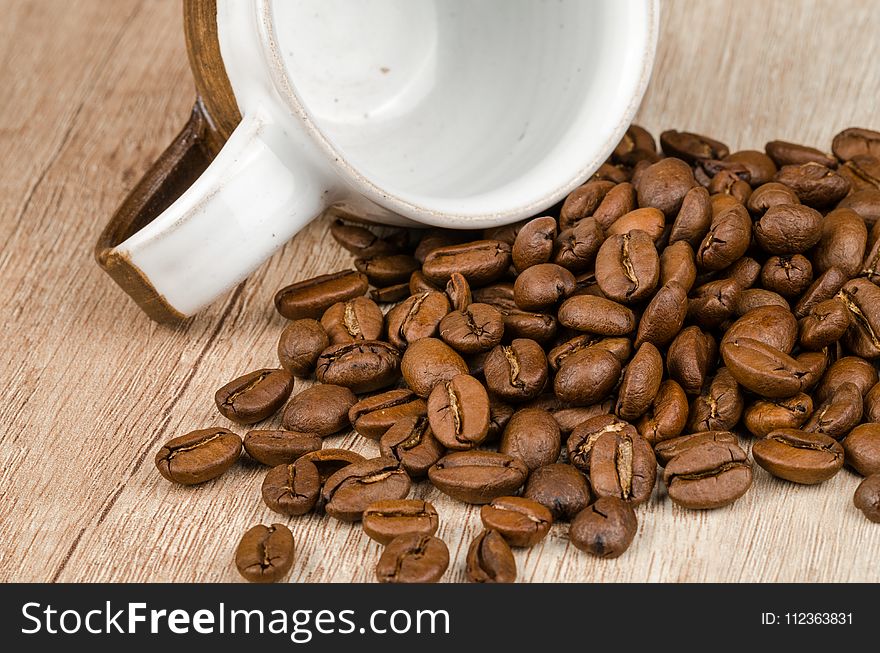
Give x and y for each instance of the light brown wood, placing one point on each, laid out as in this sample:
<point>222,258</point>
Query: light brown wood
<point>92,387</point>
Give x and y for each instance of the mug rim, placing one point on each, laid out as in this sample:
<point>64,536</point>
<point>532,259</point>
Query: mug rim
<point>424,214</point>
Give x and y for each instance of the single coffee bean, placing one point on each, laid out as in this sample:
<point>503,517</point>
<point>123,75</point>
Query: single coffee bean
<point>663,317</point>
<point>560,488</point>
<point>862,172</point>
<point>458,411</point>
<point>273,447</point>
<point>760,167</point>
<point>872,404</point>
<point>265,553</point>
<point>798,456</point>
<point>712,303</point>
<point>387,269</point>
<point>731,181</point>
<point>628,267</point>
<point>753,298</point>
<point>787,275</point>
<point>769,195</point>
<point>411,441</point>
<point>478,476</point>
<point>198,456</point>
<point>667,415</point>
<point>255,396</point>
<point>635,139</point>
<point>775,326</point>
<point>597,315</point>
<point>586,377</point>
<point>669,449</point>
<point>839,413</point>
<point>390,294</point>
<point>417,317</point>
<point>727,240</point>
<point>862,448</point>
<point>362,366</point>
<point>785,154</point>
<point>650,220</point>
<point>532,436</point>
<point>459,292</point>
<point>719,406</point>
<point>490,560</point>
<point>541,286</point>
<point>582,202</point>
<point>620,348</point>
<point>518,371</point>
<point>746,272</point>
<point>843,242</point>
<point>605,529</point>
<point>520,521</point>
<point>321,409</point>
<point>418,284</point>
<point>691,147</point>
<point>292,488</point>
<point>330,461</point>
<point>480,262</point>
<point>788,229</point>
<point>353,488</point>
<point>575,248</point>
<point>764,370</point>
<point>677,265</point>
<point>360,241</point>
<point>640,382</point>
<point>617,202</point>
<point>385,520</point>
<point>312,297</point>
<point>847,369</point>
<point>534,243</point>
<point>825,325</point>
<point>373,416</point>
<point>664,184</point>
<point>583,437</point>
<point>854,141</point>
<point>478,328</point>
<point>301,342</point>
<point>721,202</point>
<point>690,357</point>
<point>570,417</point>
<point>357,319</point>
<point>430,361</point>
<point>413,558</point>
<point>694,218</point>
<point>866,203</point>
<point>814,184</point>
<point>708,475</point>
<point>623,465</point>
<point>765,415</point>
<point>867,497</point>
<point>862,300</point>
<point>822,289</point>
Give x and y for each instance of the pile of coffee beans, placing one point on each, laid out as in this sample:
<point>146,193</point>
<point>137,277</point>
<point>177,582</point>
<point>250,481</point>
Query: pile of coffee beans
<point>682,307</point>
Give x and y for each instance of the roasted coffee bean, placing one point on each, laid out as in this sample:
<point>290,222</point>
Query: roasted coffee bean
<point>560,488</point>
<point>761,368</point>
<point>694,218</point>
<point>373,416</point>
<point>605,529</point>
<point>786,154</point>
<point>719,406</point>
<point>418,284</point>
<point>363,366</point>
<point>853,141</point>
<point>388,269</point>
<point>480,262</point>
<point>518,371</point>
<point>478,476</point>
<point>787,275</point>
<point>667,415</point>
<point>628,267</point>
<point>872,404</point>
<point>582,202</point>
<point>769,195</point>
<point>727,240</point>
<point>390,294</point>
<point>708,475</point>
<point>520,521</point>
<point>760,167</point>
<point>711,304</point>
<point>570,417</point>
<point>623,465</point>
<point>532,435</point>
<point>651,221</point>
<point>866,203</point>
<point>798,456</point>
<point>691,147</point>
<point>586,377</point>
<point>814,184</point>
<point>458,411</point>
<point>867,497</point>
<point>635,139</point>
<point>814,364</point>
<point>843,242</point>
<point>353,488</point>
<point>489,559</point>
<point>430,361</point>
<point>825,325</point>
<point>413,558</point>
<point>321,409</point>
<point>597,315</point>
<point>823,288</point>
<point>292,488</point>
<point>411,441</point>
<point>690,357</point>
<point>721,203</point>
<point>613,173</point>
<point>862,172</point>
<point>301,342</point>
<point>746,272</point>
<point>330,461</point>
<point>773,325</point>
<point>663,317</point>
<point>434,239</point>
<point>541,286</point>
<point>265,553</point>
<point>417,317</point>
<point>677,265</point>
<point>619,201</point>
<point>753,298</point>
<point>534,243</point>
<point>862,448</point>
<point>862,300</point>
<point>620,348</point>
<point>788,229</point>
<point>575,248</point>
<point>732,182</point>
<point>459,292</point>
<point>385,520</point>
<point>765,415</point>
<point>274,447</point>
<point>312,297</point>
<point>360,241</point>
<point>198,456</point>
<point>583,437</point>
<point>669,449</point>
<point>664,184</point>
<point>640,382</point>
<point>839,413</point>
<point>255,396</point>
<point>357,319</point>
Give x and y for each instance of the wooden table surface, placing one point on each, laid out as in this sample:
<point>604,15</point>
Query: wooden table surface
<point>93,91</point>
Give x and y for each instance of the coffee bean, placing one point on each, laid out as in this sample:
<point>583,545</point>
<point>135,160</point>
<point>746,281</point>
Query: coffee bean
<point>635,139</point>
<point>690,357</point>
<point>576,248</point>
<point>434,239</point>
<point>597,315</point>
<point>663,317</point>
<point>520,521</point>
<point>413,558</point>
<point>866,203</point>
<point>586,377</point>
<point>669,449</point>
<point>872,404</point>
<point>650,220</point>
<point>532,436</point>
<point>360,241</point>
<point>623,465</point>
<point>719,406</point>
<point>711,304</point>
<point>664,184</point>
<point>787,275</point>
<point>814,363</point>
<point>385,520</point>
<point>478,328</point>
<point>838,414</point>
<point>416,317</point>
<point>694,218</point>
<point>321,409</point>
<point>255,396</point>
<point>843,242</point>
<point>640,382</point>
<point>387,269</point>
<point>691,147</point>
<point>480,262</point>
<point>727,240</point>
<point>412,442</point>
<point>628,267</point>
<point>330,461</point>
<point>583,437</point>
<point>784,154</point>
<point>362,366</point>
<point>357,319</point>
<point>490,560</point>
<point>459,292</point>
<point>862,448</point>
<point>788,229</point>
<point>373,416</point>
<point>570,417</point>
<point>605,529</point>
<point>853,141</point>
<point>822,289</point>
<point>760,167</point>
<point>458,411</point>
<point>560,488</point>
<point>667,415</point>
<point>798,456</point>
<point>617,202</point>
<point>745,272</point>
<point>478,476</point>
<point>814,184</point>
<point>500,413</point>
<point>765,415</point>
<point>293,488</point>
<point>753,298</point>
<point>390,294</point>
<point>769,195</point>
<point>762,369</point>
<point>620,348</point>
<point>534,243</point>
<point>850,369</point>
<point>418,284</point>
<point>582,202</point>
<point>301,342</point>
<point>541,286</point>
<point>430,361</point>
<point>677,265</point>
<point>775,326</point>
<point>825,325</point>
<point>862,300</point>
<point>198,456</point>
<point>518,371</point>
<point>312,297</point>
<point>353,488</point>
<point>708,475</point>
<point>867,497</point>
<point>273,447</point>
<point>265,553</point>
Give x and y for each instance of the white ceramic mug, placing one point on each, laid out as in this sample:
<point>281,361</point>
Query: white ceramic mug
<point>453,113</point>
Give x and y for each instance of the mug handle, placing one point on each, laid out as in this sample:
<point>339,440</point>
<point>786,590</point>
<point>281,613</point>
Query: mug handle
<point>194,228</point>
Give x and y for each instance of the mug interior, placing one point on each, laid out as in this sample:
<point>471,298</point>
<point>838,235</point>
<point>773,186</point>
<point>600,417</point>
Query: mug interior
<point>467,113</point>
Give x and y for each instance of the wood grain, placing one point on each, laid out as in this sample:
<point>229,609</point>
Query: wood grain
<point>92,387</point>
